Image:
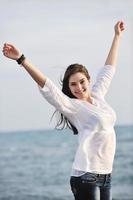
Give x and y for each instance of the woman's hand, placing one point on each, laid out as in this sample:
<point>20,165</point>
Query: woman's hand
<point>11,51</point>
<point>119,27</point>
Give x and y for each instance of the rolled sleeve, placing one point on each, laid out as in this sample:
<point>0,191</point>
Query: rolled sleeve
<point>57,98</point>
<point>103,80</point>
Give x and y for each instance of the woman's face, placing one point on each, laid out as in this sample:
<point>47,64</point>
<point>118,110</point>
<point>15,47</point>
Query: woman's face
<point>79,86</point>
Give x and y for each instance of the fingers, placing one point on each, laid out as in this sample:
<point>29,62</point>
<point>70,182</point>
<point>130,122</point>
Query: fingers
<point>121,25</point>
<point>5,52</point>
<point>11,51</point>
<point>8,45</point>
<point>6,49</point>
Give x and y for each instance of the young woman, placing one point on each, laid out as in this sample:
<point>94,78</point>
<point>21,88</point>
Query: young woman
<point>85,111</point>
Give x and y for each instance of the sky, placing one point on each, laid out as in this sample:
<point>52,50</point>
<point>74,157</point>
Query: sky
<point>54,34</point>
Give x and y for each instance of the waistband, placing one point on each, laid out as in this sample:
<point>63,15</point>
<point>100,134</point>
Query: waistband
<point>101,175</point>
<point>94,174</point>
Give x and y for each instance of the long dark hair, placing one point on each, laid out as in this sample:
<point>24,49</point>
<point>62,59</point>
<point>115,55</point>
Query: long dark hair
<point>63,122</point>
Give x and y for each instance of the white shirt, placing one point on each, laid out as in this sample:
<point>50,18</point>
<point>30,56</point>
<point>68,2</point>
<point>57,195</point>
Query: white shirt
<point>94,122</point>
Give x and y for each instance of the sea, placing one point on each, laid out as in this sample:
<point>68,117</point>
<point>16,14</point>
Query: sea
<point>36,164</point>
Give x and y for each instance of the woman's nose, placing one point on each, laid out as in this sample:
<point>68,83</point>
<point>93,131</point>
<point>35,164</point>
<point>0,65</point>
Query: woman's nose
<point>79,87</point>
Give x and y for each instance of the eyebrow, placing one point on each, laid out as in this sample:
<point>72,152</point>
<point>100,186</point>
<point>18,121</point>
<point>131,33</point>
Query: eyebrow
<point>79,80</point>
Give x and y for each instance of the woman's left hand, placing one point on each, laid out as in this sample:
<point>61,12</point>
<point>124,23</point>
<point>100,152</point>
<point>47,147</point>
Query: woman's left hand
<point>119,27</point>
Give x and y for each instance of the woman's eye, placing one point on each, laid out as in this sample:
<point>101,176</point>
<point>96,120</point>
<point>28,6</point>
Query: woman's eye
<point>82,82</point>
<point>73,84</point>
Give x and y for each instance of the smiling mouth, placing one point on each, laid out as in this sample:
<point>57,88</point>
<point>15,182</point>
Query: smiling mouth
<point>82,92</point>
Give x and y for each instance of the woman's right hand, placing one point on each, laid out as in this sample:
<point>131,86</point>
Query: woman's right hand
<point>11,51</point>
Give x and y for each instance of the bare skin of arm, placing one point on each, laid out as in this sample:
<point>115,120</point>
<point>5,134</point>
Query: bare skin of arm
<point>35,73</point>
<point>113,53</point>
<point>10,51</point>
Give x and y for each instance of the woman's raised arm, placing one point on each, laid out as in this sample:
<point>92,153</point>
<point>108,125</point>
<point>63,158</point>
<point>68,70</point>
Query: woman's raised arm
<point>113,53</point>
<point>10,51</point>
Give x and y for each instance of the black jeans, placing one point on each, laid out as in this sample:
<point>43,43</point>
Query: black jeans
<point>91,186</point>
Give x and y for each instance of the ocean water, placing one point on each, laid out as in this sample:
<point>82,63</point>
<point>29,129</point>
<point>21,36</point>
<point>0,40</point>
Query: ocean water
<point>36,165</point>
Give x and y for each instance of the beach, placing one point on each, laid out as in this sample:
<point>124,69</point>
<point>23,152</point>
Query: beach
<point>37,164</point>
